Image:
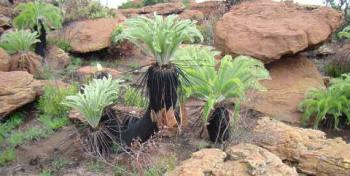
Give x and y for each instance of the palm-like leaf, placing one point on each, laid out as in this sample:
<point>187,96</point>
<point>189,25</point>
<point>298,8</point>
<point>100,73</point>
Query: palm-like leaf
<point>233,78</point>
<point>160,36</point>
<point>32,12</point>
<point>18,41</point>
<point>97,95</point>
<point>333,102</point>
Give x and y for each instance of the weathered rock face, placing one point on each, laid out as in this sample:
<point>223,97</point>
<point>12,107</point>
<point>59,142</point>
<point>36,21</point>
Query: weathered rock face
<point>192,15</point>
<point>56,58</point>
<point>291,78</point>
<point>87,72</point>
<point>17,89</point>
<point>209,8</point>
<point>4,60</point>
<point>309,150</point>
<point>239,160</point>
<point>269,30</point>
<point>89,35</point>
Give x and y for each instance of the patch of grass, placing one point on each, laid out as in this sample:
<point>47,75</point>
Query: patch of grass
<point>7,155</point>
<point>134,65</point>
<point>63,44</point>
<point>120,170</point>
<point>71,68</point>
<point>35,133</point>
<point>95,166</point>
<point>133,97</point>
<point>50,103</point>
<point>14,121</point>
<point>45,173</point>
<point>162,166</point>
<point>59,163</point>
<point>54,123</point>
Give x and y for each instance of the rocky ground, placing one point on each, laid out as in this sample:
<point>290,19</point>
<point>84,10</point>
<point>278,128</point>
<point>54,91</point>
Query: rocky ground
<point>294,42</point>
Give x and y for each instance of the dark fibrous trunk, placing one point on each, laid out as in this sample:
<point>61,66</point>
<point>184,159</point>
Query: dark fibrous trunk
<point>141,129</point>
<point>100,141</point>
<point>219,125</point>
<point>162,84</point>
<point>40,47</point>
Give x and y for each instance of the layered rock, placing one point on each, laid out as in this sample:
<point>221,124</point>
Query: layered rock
<point>268,30</point>
<point>209,8</point>
<point>4,60</point>
<point>291,78</point>
<point>28,61</point>
<point>308,150</point>
<point>17,89</point>
<point>89,35</point>
<point>192,15</point>
<point>238,160</point>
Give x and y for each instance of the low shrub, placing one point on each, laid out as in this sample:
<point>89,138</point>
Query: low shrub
<point>18,41</point>
<point>133,97</point>
<point>152,2</point>
<point>130,4</point>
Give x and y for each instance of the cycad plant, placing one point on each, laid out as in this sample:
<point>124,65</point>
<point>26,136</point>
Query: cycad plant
<point>328,107</point>
<point>40,17</point>
<point>219,88</point>
<point>93,105</point>
<point>161,37</point>
<point>19,44</point>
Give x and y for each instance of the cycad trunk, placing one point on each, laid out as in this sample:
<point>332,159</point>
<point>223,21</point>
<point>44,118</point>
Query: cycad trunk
<point>40,47</point>
<point>219,125</point>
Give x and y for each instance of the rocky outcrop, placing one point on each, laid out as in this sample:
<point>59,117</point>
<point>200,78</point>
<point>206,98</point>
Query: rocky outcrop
<point>160,9</point>
<point>89,35</point>
<point>238,160</point>
<point>209,8</point>
<point>17,89</point>
<point>268,30</point>
<point>291,78</point>
<point>308,150</point>
<point>56,58</point>
<point>4,60</point>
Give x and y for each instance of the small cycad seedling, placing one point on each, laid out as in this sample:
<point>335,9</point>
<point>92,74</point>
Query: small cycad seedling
<point>345,33</point>
<point>329,105</point>
<point>93,104</point>
<point>219,87</point>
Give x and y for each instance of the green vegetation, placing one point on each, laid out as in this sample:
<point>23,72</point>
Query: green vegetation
<point>18,41</point>
<point>59,163</point>
<point>45,173</point>
<point>130,4</point>
<point>53,123</point>
<point>98,94</point>
<point>50,104</point>
<point>152,2</point>
<point>31,13</point>
<point>231,81</point>
<point>95,166</point>
<point>345,33</point>
<point>330,104</point>
<point>62,44</point>
<point>133,97</point>
<point>7,155</point>
<point>96,10</point>
<point>18,138</point>
<point>14,121</point>
<point>160,36</point>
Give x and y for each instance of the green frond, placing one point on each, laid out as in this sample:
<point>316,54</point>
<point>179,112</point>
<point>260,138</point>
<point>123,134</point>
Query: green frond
<point>332,102</point>
<point>159,36</point>
<point>18,41</point>
<point>30,13</point>
<point>98,94</point>
<point>230,81</point>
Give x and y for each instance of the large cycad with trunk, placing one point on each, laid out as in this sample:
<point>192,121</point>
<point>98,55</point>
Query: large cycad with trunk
<point>161,37</point>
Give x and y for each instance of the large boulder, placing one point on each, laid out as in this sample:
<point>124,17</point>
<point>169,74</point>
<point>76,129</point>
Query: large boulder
<point>269,30</point>
<point>290,79</point>
<point>89,35</point>
<point>238,160</point>
<point>4,61</point>
<point>308,150</point>
<point>17,89</point>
